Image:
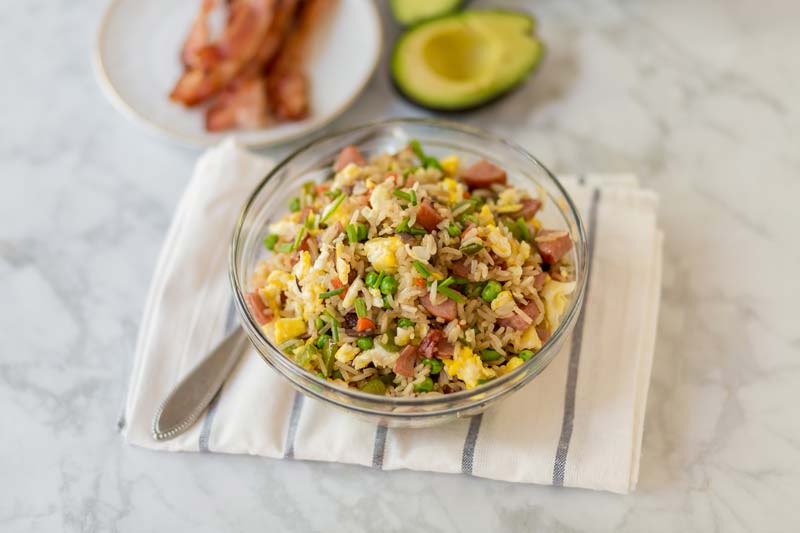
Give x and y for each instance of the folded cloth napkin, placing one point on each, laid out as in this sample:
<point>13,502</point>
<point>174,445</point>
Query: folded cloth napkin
<point>578,424</point>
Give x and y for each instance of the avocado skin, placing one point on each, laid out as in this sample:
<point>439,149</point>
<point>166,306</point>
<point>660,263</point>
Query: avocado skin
<point>454,6</point>
<point>452,110</point>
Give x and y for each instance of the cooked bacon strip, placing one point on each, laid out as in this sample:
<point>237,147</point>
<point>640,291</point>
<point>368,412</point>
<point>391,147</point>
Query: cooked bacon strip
<point>483,174</point>
<point>445,349</point>
<point>517,322</point>
<point>288,84</point>
<point>404,365</point>
<point>349,154</point>
<point>446,308</point>
<point>430,344</point>
<point>248,21</point>
<point>192,53</point>
<point>538,280</point>
<point>427,216</point>
<point>461,268</point>
<point>241,105</point>
<point>553,244</point>
<point>261,313</point>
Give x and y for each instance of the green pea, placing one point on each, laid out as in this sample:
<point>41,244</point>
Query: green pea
<point>364,343</point>
<point>322,340</point>
<point>525,355</point>
<point>435,364</point>
<point>490,291</point>
<point>371,279</point>
<point>405,323</point>
<point>425,386</point>
<point>374,386</point>
<point>388,285</point>
<point>388,378</point>
<point>294,205</point>
<point>489,355</point>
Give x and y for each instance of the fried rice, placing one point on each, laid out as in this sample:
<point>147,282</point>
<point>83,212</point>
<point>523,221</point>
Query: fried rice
<point>405,275</point>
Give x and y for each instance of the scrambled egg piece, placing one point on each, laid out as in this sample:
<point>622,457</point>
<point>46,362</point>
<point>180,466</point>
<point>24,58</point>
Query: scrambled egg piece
<point>346,353</point>
<point>554,295</point>
<point>381,199</point>
<point>342,266</point>
<point>289,328</point>
<point>485,217</point>
<point>468,367</point>
<point>347,176</point>
<point>260,274</point>
<point>512,363</point>
<point>498,242</point>
<point>503,304</point>
<point>382,253</point>
<point>508,201</point>
<point>276,282</point>
<point>454,190</point>
<point>404,336</point>
<point>449,165</point>
<point>520,252</point>
<point>529,340</point>
<point>378,356</point>
<point>303,265</point>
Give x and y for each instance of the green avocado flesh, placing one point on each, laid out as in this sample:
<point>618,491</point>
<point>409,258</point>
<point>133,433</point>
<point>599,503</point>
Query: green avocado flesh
<point>464,60</point>
<point>409,12</point>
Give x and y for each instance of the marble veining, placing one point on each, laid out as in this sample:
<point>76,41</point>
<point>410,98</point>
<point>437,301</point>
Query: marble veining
<point>697,98</point>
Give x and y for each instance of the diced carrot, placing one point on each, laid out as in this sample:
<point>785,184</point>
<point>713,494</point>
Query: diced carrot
<point>419,282</point>
<point>466,195</point>
<point>364,324</point>
<point>322,188</point>
<point>336,283</point>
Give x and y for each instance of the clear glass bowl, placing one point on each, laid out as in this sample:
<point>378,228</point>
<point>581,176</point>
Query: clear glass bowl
<point>269,202</point>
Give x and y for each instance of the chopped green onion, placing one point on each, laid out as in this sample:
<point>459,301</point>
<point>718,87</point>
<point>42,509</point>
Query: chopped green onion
<point>334,193</point>
<point>310,188</point>
<point>387,378</point>
<point>320,375</point>
<point>270,241</point>
<point>352,233</point>
<point>294,205</point>
<point>424,272</point>
<point>362,231</point>
<point>413,195</point>
<point>475,289</point>
<point>374,386</point>
<point>435,364</point>
<point>285,247</point>
<point>388,285</point>
<point>450,293</point>
<point>488,355</point>
<point>402,194</point>
<point>334,292</point>
<point>306,355</point>
<point>524,232</point>
<point>490,291</point>
<point>453,229</point>
<point>405,322</point>
<point>432,162</point>
<point>525,355</point>
<point>472,248</point>
<point>328,351</point>
<point>387,304</point>
<point>319,323</point>
<point>484,380</point>
<point>371,279</point>
<point>336,374</point>
<point>310,221</point>
<point>513,228</point>
<point>416,147</point>
<point>402,227</point>
<point>334,326</point>
<point>425,386</point>
<point>389,345</point>
<point>409,171</point>
<point>459,281</point>
<point>332,207</point>
<point>364,343</point>
<point>417,231</point>
<point>447,282</point>
<point>361,307</point>
<point>298,239</point>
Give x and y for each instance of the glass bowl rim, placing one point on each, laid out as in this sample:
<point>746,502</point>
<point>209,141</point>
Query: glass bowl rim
<point>486,391</point>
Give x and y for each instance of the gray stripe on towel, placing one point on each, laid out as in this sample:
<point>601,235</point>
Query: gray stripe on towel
<point>294,418</point>
<point>469,444</point>
<point>208,420</point>
<point>575,356</point>
<point>379,447</point>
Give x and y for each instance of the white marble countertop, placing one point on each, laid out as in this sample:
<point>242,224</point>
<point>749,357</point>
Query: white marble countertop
<point>698,98</point>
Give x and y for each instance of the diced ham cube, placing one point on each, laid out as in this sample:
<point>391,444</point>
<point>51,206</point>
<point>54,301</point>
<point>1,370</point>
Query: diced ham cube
<point>553,244</point>
<point>349,154</point>
<point>461,268</point>
<point>530,206</point>
<point>427,216</point>
<point>517,322</point>
<point>406,361</point>
<point>430,344</point>
<point>538,280</point>
<point>446,308</point>
<point>260,311</point>
<point>483,174</point>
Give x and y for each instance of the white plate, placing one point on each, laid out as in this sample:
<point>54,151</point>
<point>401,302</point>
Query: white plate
<point>137,62</point>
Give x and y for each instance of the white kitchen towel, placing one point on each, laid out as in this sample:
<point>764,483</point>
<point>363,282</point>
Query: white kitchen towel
<point>578,424</point>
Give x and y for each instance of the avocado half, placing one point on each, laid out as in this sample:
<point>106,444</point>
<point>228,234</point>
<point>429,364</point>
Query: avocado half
<point>464,60</point>
<point>410,12</point>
